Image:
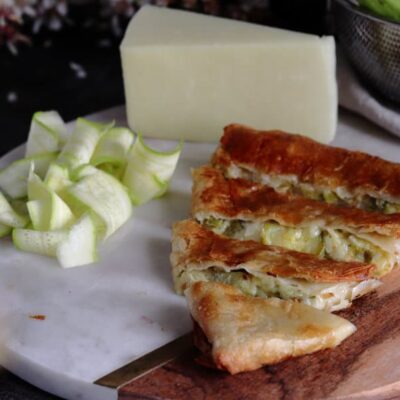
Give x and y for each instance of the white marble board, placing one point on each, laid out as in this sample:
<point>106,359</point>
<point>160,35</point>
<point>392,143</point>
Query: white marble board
<point>102,316</point>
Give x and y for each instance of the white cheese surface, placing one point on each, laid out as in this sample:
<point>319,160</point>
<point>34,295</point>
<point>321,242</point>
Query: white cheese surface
<point>188,75</point>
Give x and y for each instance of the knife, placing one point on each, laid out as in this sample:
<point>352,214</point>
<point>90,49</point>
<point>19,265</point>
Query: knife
<point>147,363</point>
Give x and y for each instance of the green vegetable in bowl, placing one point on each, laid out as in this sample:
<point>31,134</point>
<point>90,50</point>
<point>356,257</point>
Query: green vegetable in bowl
<point>383,8</point>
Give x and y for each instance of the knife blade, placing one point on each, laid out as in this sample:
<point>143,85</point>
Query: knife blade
<point>146,363</point>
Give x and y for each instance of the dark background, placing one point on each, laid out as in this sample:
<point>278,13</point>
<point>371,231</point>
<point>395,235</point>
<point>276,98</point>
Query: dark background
<point>40,77</point>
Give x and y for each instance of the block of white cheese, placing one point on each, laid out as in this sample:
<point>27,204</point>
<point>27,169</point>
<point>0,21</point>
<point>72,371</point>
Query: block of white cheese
<point>187,75</point>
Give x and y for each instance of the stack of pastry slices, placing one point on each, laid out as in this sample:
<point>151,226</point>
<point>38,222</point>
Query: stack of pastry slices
<point>284,231</point>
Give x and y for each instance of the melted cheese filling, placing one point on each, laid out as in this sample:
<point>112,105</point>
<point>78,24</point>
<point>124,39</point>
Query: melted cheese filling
<point>339,196</point>
<point>335,244</point>
<point>324,296</point>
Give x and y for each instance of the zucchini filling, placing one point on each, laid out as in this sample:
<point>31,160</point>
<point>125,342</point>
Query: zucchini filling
<point>328,243</point>
<point>289,184</point>
<point>324,296</point>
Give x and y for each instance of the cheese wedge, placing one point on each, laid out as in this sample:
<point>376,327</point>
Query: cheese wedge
<point>187,75</point>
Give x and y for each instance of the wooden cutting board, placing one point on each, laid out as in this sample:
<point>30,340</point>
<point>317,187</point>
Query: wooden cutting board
<point>365,366</point>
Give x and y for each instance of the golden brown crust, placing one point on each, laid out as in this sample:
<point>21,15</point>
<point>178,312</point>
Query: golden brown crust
<point>246,333</point>
<point>215,195</point>
<point>280,153</point>
<point>194,245</point>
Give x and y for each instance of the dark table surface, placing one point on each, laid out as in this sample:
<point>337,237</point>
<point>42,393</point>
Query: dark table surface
<point>41,78</point>
<point>13,388</point>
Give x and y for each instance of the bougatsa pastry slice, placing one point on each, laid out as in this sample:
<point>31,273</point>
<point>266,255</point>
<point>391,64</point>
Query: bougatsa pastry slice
<point>246,333</point>
<point>198,254</point>
<point>296,164</point>
<point>247,210</point>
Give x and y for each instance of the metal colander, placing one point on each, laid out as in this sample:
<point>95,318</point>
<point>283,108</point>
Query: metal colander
<point>372,45</point>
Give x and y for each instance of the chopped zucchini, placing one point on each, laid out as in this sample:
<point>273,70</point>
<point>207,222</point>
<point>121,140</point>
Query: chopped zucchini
<point>148,171</point>
<point>57,178</point>
<point>81,144</point>
<point>5,230</point>
<point>46,209</point>
<point>112,148</point>
<point>44,243</point>
<point>9,217</point>
<point>79,248</point>
<point>47,132</point>
<point>13,178</point>
<point>104,196</point>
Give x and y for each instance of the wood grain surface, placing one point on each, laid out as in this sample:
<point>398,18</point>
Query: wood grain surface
<point>365,366</point>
